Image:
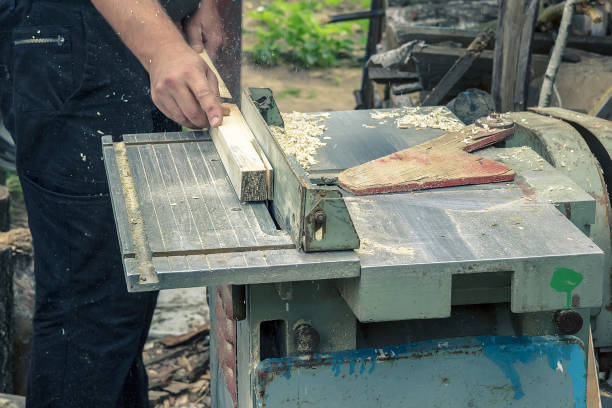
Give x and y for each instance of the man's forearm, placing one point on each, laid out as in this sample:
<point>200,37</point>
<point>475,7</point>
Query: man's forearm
<point>182,86</point>
<point>143,26</point>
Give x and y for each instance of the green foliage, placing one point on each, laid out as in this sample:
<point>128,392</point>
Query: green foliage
<point>292,32</point>
<point>12,183</point>
<point>289,92</point>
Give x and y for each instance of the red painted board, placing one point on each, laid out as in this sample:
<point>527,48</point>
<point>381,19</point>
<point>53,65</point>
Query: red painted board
<point>441,162</point>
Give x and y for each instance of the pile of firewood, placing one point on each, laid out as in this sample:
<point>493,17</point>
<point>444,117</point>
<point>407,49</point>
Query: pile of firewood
<point>178,369</point>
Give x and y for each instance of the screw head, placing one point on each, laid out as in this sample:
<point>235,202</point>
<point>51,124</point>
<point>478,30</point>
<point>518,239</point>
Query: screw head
<point>320,217</point>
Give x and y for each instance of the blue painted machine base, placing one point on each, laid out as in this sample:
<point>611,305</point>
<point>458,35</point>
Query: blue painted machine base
<point>547,371</point>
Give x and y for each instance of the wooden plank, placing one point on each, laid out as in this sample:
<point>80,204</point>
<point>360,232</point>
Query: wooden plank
<point>511,36</point>
<point>497,54</point>
<point>458,69</point>
<point>441,162</point>
<point>542,42</point>
<point>224,93</point>
<point>593,398</point>
<point>603,107</point>
<point>434,61</point>
<point>247,167</point>
<point>386,75</point>
<point>523,68</point>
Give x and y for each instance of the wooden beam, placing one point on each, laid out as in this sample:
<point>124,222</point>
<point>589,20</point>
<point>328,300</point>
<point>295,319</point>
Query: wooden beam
<point>592,391</point>
<point>542,42</point>
<point>523,69</point>
<point>223,91</point>
<point>512,53</point>
<point>603,106</point>
<point>434,61</point>
<point>247,167</point>
<point>459,68</point>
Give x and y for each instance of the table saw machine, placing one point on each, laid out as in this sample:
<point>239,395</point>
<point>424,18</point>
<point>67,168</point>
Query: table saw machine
<point>476,296</point>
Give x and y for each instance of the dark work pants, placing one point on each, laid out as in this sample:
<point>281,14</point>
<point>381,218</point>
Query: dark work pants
<point>69,80</point>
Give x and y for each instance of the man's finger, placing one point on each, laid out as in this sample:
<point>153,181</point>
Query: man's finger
<point>168,106</point>
<point>190,107</point>
<point>207,98</point>
<point>194,37</point>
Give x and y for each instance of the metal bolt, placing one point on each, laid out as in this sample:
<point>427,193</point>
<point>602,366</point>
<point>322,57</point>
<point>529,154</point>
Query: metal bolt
<point>320,217</point>
<point>306,338</point>
<point>568,321</point>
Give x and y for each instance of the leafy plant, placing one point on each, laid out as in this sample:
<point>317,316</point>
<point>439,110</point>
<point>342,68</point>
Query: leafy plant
<point>292,32</point>
<point>289,92</point>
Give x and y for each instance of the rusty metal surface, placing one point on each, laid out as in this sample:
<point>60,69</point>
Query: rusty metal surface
<point>512,371</point>
<point>225,333</point>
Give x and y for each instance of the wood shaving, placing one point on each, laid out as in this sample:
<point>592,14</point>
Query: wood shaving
<point>438,118</point>
<point>377,115</point>
<point>301,136</point>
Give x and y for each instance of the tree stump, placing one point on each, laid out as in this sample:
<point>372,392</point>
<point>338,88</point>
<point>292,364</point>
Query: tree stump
<point>6,320</point>
<point>22,266</point>
<point>5,207</point>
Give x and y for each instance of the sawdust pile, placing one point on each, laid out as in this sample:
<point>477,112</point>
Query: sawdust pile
<point>377,115</point>
<point>438,118</point>
<point>302,135</point>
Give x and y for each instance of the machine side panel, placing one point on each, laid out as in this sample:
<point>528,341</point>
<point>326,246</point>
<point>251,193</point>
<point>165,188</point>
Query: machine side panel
<point>421,240</point>
<point>511,371</point>
<point>563,147</point>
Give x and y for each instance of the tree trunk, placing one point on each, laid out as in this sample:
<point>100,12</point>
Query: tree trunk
<point>5,206</point>
<point>6,320</point>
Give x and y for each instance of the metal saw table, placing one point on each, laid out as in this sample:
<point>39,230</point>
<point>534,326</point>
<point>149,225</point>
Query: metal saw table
<point>322,298</point>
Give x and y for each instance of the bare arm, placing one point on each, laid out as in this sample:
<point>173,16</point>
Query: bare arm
<point>182,85</point>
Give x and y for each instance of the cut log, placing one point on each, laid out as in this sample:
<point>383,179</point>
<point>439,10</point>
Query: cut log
<point>6,320</point>
<point>5,206</point>
<point>441,162</point>
<point>247,167</point>
<point>12,401</point>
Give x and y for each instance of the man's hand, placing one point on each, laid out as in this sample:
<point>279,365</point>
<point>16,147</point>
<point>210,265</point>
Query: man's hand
<point>185,89</point>
<point>182,85</point>
<point>204,29</point>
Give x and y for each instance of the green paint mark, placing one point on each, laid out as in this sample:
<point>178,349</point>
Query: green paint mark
<point>566,280</point>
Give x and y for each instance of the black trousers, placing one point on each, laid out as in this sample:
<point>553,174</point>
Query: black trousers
<point>67,80</point>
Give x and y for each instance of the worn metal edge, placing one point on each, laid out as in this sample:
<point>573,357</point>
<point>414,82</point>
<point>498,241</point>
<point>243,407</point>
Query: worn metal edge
<point>117,201</point>
<point>330,265</point>
<point>140,241</point>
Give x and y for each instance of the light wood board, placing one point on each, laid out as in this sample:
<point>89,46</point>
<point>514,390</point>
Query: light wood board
<point>247,167</point>
<point>224,93</point>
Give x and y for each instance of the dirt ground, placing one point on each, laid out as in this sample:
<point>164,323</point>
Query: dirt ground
<point>313,90</point>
